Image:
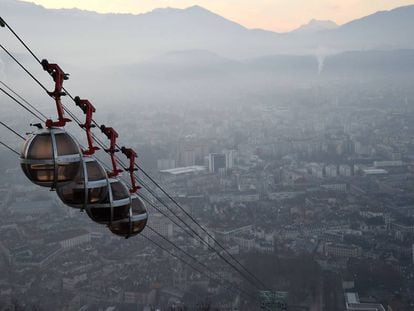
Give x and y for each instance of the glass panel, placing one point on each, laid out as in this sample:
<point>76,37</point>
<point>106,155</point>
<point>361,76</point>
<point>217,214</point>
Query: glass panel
<point>122,229</point>
<point>97,195</point>
<point>138,206</point>
<point>41,148</point>
<point>39,172</point>
<point>67,172</point>
<point>101,215</point>
<point>138,226</point>
<point>70,195</point>
<point>95,171</point>
<point>119,191</point>
<point>65,144</point>
<point>106,199</point>
<point>24,147</point>
<point>121,212</point>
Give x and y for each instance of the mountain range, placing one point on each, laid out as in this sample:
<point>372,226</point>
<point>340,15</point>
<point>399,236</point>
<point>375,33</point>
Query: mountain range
<point>81,37</point>
<point>194,55</point>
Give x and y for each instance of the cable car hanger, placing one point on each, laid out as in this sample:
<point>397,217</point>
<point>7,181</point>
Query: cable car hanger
<point>131,156</point>
<point>88,109</point>
<point>112,136</point>
<point>58,76</point>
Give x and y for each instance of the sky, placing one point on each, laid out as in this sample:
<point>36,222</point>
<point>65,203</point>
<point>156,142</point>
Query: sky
<point>276,15</point>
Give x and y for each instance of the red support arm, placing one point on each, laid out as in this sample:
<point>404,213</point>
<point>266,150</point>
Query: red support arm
<point>112,136</point>
<point>131,155</point>
<point>88,109</point>
<point>58,76</point>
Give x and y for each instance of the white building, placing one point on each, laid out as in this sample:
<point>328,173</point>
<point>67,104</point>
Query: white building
<point>216,161</point>
<point>316,169</point>
<point>230,156</point>
<point>342,250</point>
<point>345,170</point>
<point>352,303</point>
<point>165,164</point>
<point>330,170</point>
<point>75,238</point>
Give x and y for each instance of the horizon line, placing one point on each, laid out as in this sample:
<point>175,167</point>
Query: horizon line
<point>210,11</point>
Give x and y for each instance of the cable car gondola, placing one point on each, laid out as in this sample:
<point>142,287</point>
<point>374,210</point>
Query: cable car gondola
<point>138,216</point>
<point>90,186</point>
<point>50,157</point>
<point>114,207</point>
<point>135,222</point>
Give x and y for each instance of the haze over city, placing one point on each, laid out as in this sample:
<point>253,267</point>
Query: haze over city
<point>220,155</point>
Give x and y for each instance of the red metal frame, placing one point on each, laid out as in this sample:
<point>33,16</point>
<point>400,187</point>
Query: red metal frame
<point>58,76</point>
<point>131,155</point>
<point>88,109</point>
<point>112,136</point>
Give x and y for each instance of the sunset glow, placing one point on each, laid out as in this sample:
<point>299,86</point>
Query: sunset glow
<point>277,15</point>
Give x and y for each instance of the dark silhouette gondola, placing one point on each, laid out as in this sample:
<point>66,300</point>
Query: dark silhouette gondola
<point>137,217</point>
<point>89,187</point>
<point>135,222</point>
<point>114,207</point>
<point>50,157</point>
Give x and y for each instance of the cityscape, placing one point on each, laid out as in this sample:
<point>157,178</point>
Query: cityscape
<point>302,186</point>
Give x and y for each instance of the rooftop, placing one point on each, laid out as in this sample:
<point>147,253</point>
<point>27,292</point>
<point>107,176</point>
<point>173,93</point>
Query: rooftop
<point>184,170</point>
<point>353,304</point>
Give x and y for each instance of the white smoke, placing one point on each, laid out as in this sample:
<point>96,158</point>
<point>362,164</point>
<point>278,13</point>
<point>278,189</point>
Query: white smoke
<point>321,53</point>
<point>321,62</point>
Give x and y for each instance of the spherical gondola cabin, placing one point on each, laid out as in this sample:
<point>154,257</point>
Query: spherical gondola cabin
<point>90,185</point>
<point>50,157</point>
<point>135,222</point>
<point>115,205</point>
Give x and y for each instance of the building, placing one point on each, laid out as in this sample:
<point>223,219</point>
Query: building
<point>187,157</point>
<point>165,164</point>
<point>341,187</point>
<point>380,164</point>
<point>342,250</point>
<point>273,300</point>
<point>374,171</point>
<point>316,170</point>
<point>74,238</point>
<point>245,243</point>
<point>161,225</point>
<point>331,170</point>
<point>265,247</point>
<point>352,303</point>
<point>216,161</point>
<point>227,235</point>
<point>345,170</point>
<point>230,156</point>
<point>398,227</point>
<point>181,173</point>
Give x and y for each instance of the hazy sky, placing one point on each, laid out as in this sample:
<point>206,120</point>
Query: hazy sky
<point>278,15</point>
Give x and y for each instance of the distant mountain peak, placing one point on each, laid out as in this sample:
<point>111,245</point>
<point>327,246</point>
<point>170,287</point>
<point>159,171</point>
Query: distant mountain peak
<point>197,8</point>
<point>190,9</point>
<point>315,25</point>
